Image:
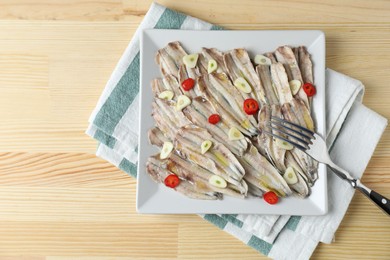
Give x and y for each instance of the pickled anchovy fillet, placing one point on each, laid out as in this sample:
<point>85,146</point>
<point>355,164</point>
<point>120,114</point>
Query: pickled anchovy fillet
<point>222,84</point>
<point>158,174</point>
<point>200,176</point>
<point>158,86</point>
<point>271,56</point>
<point>218,156</point>
<point>266,177</point>
<point>305,65</point>
<point>294,110</point>
<point>277,153</point>
<point>220,104</point>
<point>214,54</point>
<point>238,65</point>
<point>167,118</point>
<point>206,109</point>
<point>279,78</point>
<point>252,189</point>
<point>185,73</point>
<point>156,137</point>
<point>265,76</point>
<point>198,115</point>
<point>285,55</point>
<point>301,188</point>
<point>203,64</point>
<point>196,175</point>
<point>170,61</point>
<point>304,161</point>
<point>264,141</point>
<point>167,83</point>
<point>171,83</point>
<point>176,52</point>
<point>177,117</point>
<point>165,125</point>
<point>302,114</point>
<point>296,54</point>
<point>169,65</point>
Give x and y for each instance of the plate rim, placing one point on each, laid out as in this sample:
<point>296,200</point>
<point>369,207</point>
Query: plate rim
<point>141,208</point>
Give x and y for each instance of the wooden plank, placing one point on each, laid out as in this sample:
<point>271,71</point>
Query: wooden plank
<point>22,74</point>
<point>217,11</point>
<point>107,239</point>
<point>60,10</point>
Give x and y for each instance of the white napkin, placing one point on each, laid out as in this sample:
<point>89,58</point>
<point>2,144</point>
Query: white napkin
<point>352,151</point>
<point>114,123</point>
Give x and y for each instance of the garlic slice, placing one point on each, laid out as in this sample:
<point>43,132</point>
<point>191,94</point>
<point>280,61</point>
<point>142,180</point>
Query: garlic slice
<point>217,181</point>
<point>205,146</point>
<point>242,85</point>
<point>295,85</point>
<point>166,94</point>
<point>212,66</point>
<point>190,60</point>
<point>262,60</point>
<point>182,102</point>
<point>235,134</point>
<point>166,150</point>
<point>290,176</point>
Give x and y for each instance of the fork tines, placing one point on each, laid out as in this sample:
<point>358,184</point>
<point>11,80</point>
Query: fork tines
<point>292,133</point>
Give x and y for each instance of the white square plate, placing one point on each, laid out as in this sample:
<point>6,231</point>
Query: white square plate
<point>156,198</point>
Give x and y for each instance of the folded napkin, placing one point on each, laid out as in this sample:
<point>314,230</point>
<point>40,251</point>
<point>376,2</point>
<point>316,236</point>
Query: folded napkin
<point>114,124</point>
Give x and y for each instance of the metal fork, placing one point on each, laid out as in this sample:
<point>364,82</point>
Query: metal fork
<point>315,146</point>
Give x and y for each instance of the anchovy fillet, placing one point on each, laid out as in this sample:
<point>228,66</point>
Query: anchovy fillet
<point>285,55</point>
<point>265,76</point>
<point>279,78</point>
<point>305,65</point>
<point>260,169</point>
<point>185,187</point>
<point>221,105</point>
<point>238,65</point>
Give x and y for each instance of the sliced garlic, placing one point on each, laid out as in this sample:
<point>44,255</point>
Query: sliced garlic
<point>190,60</point>
<point>283,144</point>
<point>290,176</point>
<point>212,66</point>
<point>217,181</point>
<point>182,102</point>
<point>205,146</point>
<point>242,85</point>
<point>166,150</point>
<point>166,94</point>
<point>262,60</point>
<point>295,85</point>
<point>235,134</point>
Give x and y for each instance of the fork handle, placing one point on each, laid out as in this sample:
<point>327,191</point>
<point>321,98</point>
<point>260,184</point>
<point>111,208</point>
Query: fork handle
<point>380,200</point>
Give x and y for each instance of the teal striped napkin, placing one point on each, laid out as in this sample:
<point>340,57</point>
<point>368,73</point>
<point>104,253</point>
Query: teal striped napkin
<point>114,124</point>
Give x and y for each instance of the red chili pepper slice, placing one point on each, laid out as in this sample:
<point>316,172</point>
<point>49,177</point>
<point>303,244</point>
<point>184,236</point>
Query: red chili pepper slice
<point>188,84</point>
<point>172,181</point>
<point>251,106</point>
<point>270,197</point>
<point>214,119</point>
<point>309,89</point>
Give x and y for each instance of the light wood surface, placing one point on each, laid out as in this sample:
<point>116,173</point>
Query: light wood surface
<point>59,201</point>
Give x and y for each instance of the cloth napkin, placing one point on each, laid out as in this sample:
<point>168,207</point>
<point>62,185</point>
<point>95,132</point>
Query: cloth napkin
<point>114,124</point>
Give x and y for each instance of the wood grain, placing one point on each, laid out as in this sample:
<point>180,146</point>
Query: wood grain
<point>59,201</point>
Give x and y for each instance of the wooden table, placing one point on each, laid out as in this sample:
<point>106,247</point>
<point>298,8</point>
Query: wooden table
<point>58,200</point>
